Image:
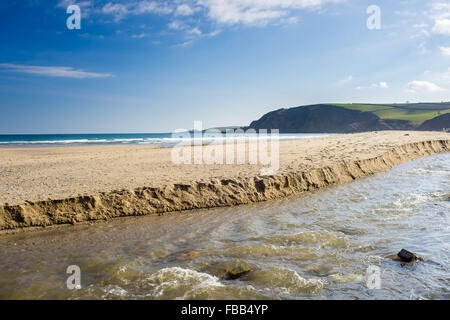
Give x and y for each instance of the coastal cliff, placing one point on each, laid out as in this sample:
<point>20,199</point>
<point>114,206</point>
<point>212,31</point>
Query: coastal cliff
<point>215,193</point>
<point>327,118</point>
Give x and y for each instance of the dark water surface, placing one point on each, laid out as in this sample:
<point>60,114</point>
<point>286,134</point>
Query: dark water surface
<point>317,246</point>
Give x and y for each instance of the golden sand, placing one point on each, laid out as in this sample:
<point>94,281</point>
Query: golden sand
<point>60,185</point>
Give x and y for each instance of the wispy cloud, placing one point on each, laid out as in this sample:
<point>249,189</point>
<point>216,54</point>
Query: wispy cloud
<point>346,80</point>
<point>445,51</point>
<point>85,5</point>
<point>227,12</point>
<point>195,31</point>
<point>177,25</point>
<point>66,3</point>
<point>442,26</point>
<point>139,36</point>
<point>184,10</point>
<point>381,84</point>
<point>62,72</point>
<point>253,12</point>
<point>119,11</point>
<point>422,86</point>
<point>210,15</point>
<point>378,85</point>
<point>440,13</point>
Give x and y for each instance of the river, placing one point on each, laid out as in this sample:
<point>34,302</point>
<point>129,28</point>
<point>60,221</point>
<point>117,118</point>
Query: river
<point>316,246</point>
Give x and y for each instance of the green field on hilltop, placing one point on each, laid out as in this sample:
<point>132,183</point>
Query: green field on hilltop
<point>412,113</point>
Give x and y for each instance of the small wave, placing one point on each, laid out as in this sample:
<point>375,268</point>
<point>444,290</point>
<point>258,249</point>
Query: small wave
<point>114,291</point>
<point>286,281</point>
<point>416,199</point>
<point>428,171</point>
<point>343,278</point>
<point>268,250</point>
<point>324,239</point>
<point>180,283</point>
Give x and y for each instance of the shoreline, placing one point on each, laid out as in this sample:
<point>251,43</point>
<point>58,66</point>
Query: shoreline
<point>216,192</point>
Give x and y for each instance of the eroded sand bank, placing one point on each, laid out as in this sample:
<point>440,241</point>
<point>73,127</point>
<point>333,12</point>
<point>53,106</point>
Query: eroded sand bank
<point>59,185</point>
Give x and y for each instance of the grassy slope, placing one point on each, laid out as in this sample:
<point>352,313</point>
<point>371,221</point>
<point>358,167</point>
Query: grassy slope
<point>415,116</point>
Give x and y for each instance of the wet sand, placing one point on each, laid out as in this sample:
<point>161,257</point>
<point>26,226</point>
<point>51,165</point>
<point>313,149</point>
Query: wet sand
<point>101,182</point>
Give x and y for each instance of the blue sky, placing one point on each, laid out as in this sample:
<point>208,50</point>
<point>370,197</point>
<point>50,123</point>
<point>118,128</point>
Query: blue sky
<point>156,66</point>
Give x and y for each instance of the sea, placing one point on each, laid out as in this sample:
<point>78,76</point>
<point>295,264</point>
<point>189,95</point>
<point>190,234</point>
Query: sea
<point>163,139</point>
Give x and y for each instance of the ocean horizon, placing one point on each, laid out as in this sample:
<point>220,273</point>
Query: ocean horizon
<point>123,138</point>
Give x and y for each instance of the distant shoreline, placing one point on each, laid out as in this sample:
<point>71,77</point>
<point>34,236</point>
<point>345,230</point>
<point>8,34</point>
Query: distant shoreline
<point>113,139</point>
<point>48,186</point>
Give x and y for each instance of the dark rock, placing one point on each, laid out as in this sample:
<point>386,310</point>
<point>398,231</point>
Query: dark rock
<point>236,273</point>
<point>320,271</point>
<point>406,256</point>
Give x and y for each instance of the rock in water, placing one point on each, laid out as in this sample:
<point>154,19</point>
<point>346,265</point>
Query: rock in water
<point>236,273</point>
<point>406,256</point>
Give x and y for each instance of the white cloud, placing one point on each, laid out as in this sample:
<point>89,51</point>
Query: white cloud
<point>445,51</point>
<point>119,11</point>
<point>66,3</point>
<point>442,26</point>
<point>63,72</point>
<point>440,13</point>
<point>441,10</point>
<point>177,25</point>
<point>184,10</point>
<point>195,31</point>
<point>84,5</point>
<point>219,13</point>
<point>256,11</point>
<point>381,84</point>
<point>214,33</point>
<point>138,36</point>
<point>422,86</point>
<point>143,7</point>
<point>185,44</point>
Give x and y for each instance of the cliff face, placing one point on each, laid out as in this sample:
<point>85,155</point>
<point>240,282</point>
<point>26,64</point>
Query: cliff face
<point>437,124</point>
<point>326,119</point>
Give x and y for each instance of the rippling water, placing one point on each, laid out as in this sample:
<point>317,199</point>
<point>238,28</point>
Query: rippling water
<point>317,246</point>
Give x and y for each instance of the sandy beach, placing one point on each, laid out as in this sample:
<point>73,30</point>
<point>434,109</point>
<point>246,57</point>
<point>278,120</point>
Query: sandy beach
<point>98,182</point>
